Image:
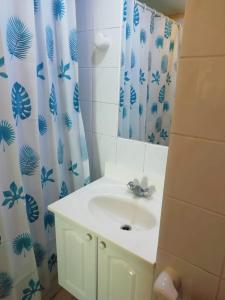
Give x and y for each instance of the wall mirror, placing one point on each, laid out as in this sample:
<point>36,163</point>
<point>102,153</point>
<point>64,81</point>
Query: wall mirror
<point>151,40</point>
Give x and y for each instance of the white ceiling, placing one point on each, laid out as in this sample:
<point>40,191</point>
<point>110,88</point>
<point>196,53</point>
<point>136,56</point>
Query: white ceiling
<point>167,7</point>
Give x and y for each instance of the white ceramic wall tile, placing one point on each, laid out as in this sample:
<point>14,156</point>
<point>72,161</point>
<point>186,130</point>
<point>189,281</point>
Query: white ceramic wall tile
<point>130,154</point>
<point>85,84</point>
<point>86,111</point>
<point>105,118</point>
<point>155,159</point>
<point>121,173</point>
<point>85,48</point>
<point>107,13</point>
<point>84,13</point>
<point>104,149</point>
<point>101,84</point>
<point>106,82</point>
<point>109,58</point>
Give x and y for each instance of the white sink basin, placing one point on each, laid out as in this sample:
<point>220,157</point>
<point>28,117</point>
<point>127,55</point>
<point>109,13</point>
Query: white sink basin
<point>105,205</point>
<point>121,211</point>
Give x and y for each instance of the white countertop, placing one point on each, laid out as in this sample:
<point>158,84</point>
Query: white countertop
<point>76,208</point>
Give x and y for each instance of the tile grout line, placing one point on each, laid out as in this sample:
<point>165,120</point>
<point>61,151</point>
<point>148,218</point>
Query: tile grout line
<point>115,104</point>
<point>187,261</point>
<point>197,138</point>
<point>145,155</point>
<point>105,135</point>
<point>202,56</point>
<point>221,277</point>
<point>194,205</point>
<point>97,67</point>
<point>98,29</point>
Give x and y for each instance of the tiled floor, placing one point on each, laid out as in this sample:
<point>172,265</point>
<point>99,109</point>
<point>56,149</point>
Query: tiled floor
<point>63,295</point>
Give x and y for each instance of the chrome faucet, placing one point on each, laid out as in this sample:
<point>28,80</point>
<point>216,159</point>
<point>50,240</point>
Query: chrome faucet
<point>140,191</point>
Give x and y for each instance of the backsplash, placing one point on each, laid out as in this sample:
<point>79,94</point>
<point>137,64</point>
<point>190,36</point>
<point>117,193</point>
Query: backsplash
<point>99,75</point>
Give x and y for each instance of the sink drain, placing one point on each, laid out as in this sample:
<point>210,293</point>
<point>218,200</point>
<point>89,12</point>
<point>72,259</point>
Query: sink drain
<point>126,227</point>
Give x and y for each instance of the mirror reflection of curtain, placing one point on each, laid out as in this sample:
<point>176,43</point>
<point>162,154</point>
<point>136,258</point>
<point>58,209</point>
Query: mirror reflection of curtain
<point>150,48</point>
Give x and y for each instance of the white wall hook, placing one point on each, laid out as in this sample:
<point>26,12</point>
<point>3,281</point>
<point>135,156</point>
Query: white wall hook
<point>101,41</point>
<point>167,285</point>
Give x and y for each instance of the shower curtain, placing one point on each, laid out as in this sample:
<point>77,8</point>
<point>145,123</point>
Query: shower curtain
<point>43,154</point>
<point>150,46</point>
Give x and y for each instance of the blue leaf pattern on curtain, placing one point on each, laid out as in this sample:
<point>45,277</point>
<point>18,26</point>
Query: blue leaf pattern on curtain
<point>53,101</point>
<point>19,38</point>
<point>40,68</point>
<point>128,31</point>
<point>63,69</point>
<point>152,23</point>
<point>46,176</point>
<point>73,168</point>
<point>133,96</point>
<point>64,190</point>
<point>60,152</point>
<point>20,102</point>
<point>43,150</point>
<point>76,103</point>
<point>6,285</point>
<point>49,42</point>
<point>143,36</point>
<point>32,208</point>
<point>124,10</point>
<point>32,289</point>
<point>58,9</point>
<point>39,253</point>
<point>121,97</point>
<point>133,59</point>
<point>42,124</point>
<point>164,64</point>
<point>49,220</point>
<point>22,243</point>
<point>2,62</point>
<point>68,121</point>
<point>159,42</point>
<point>7,133</point>
<point>29,160</point>
<point>136,15</point>
<point>52,261</point>
<point>150,50</point>
<point>36,6</point>
<point>73,43</point>
<point>13,195</point>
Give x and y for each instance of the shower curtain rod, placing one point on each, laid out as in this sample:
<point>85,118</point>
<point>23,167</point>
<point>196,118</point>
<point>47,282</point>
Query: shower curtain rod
<point>157,14</point>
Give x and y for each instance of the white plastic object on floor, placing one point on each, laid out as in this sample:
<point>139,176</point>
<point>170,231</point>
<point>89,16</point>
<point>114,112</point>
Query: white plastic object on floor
<point>167,285</point>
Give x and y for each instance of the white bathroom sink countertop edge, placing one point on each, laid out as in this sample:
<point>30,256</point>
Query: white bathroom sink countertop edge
<point>76,208</point>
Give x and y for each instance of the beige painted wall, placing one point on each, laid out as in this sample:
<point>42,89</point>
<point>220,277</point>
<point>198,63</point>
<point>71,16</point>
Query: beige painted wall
<point>192,233</point>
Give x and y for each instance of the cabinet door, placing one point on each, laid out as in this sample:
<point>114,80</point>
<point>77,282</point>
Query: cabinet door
<point>76,252</point>
<point>122,276</point>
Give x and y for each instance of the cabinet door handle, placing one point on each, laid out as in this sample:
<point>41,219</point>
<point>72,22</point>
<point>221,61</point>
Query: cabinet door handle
<point>89,237</point>
<point>102,245</point>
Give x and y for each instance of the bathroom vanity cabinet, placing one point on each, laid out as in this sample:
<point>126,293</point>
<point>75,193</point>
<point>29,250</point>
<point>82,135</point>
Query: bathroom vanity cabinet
<point>92,268</point>
<point>76,256</point>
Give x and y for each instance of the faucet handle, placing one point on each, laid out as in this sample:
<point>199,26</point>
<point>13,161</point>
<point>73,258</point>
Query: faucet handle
<point>140,191</point>
<point>131,185</point>
<point>150,190</point>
